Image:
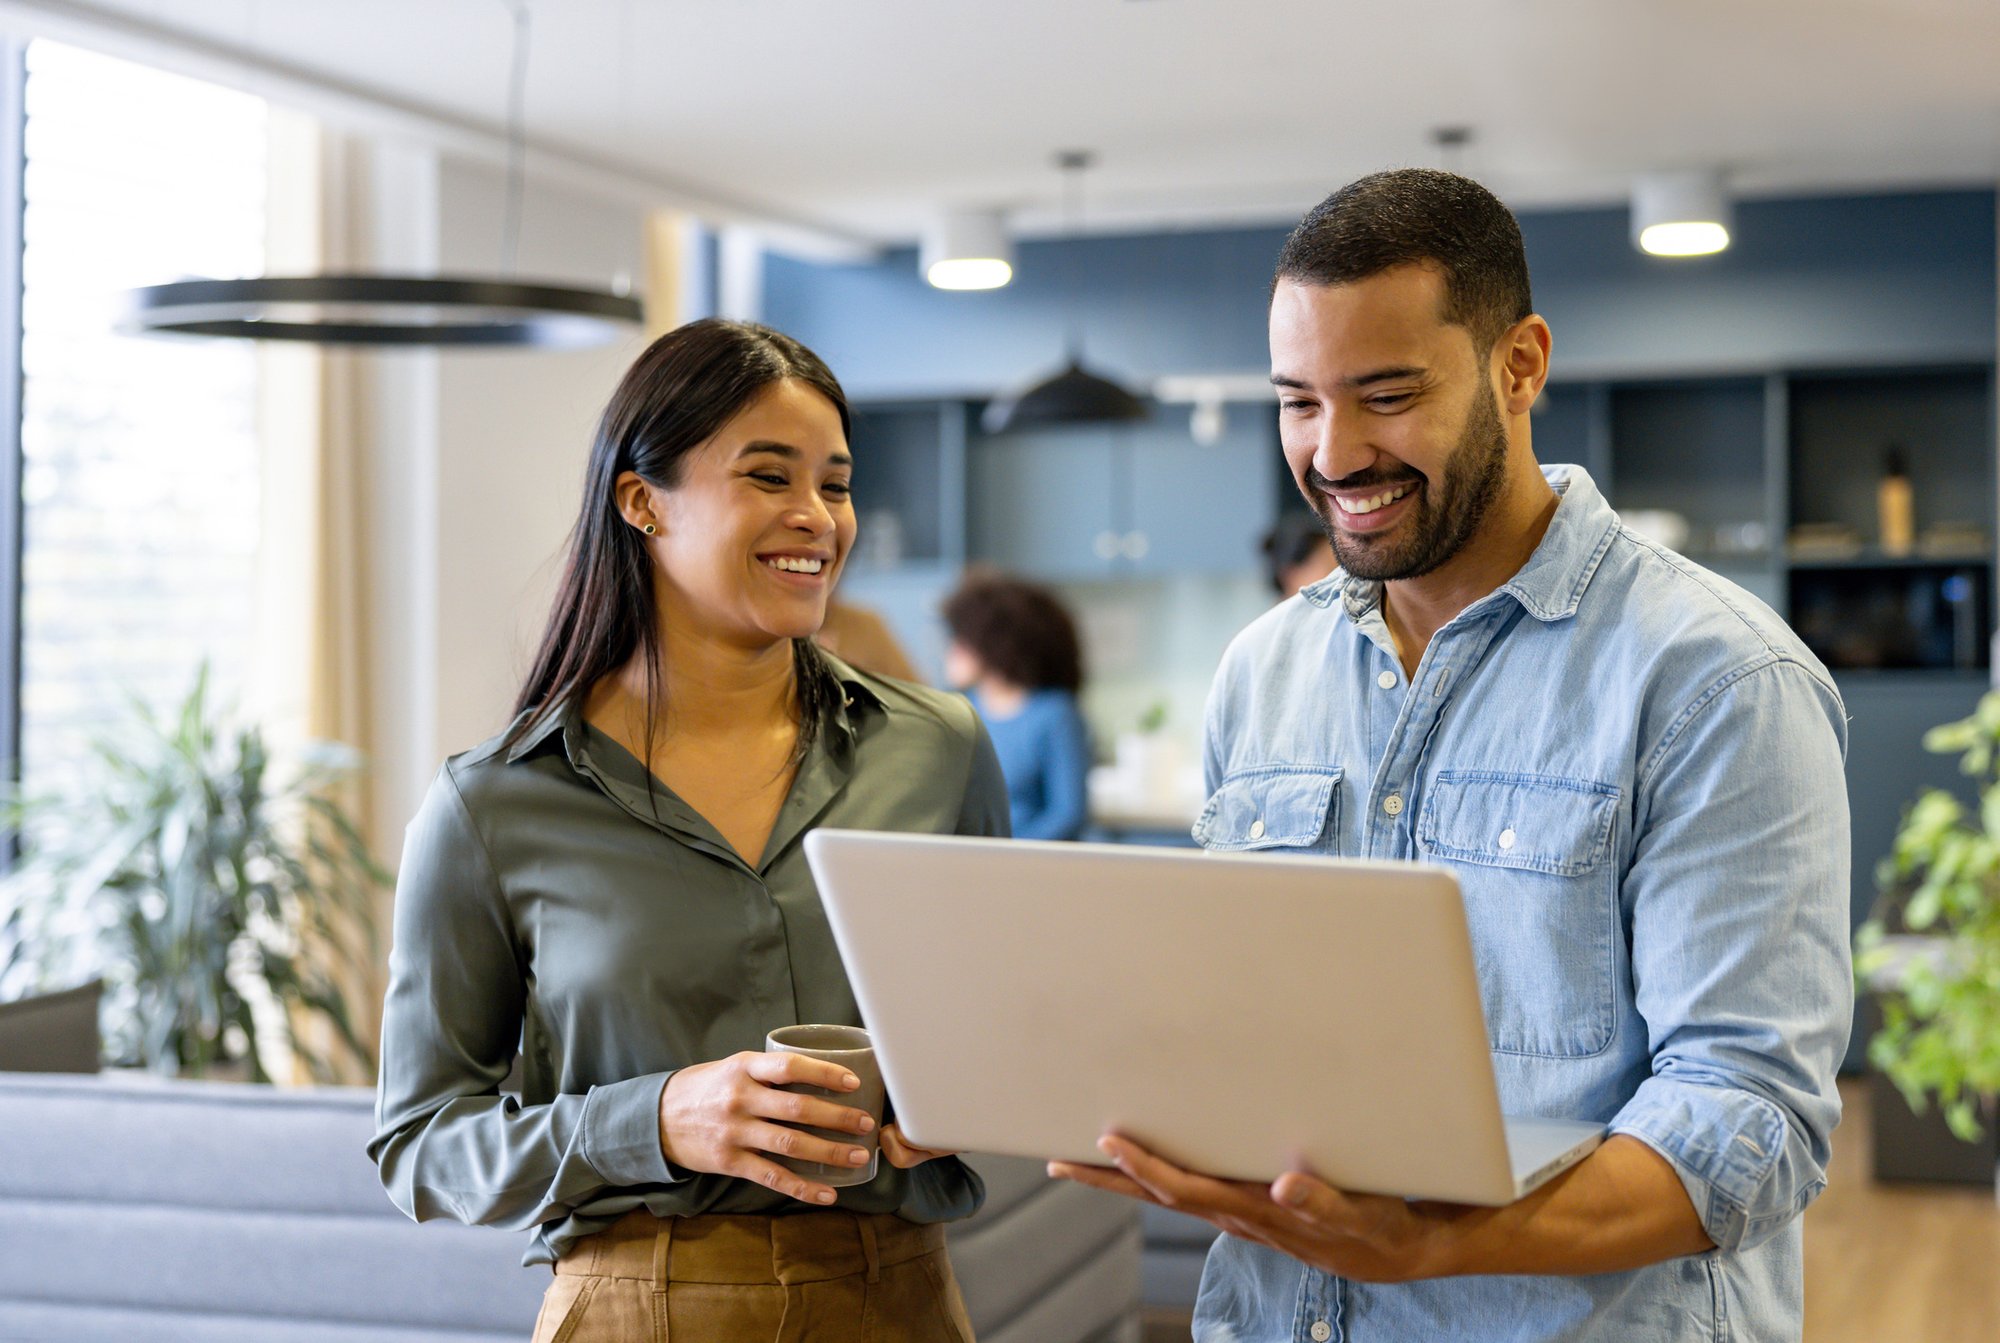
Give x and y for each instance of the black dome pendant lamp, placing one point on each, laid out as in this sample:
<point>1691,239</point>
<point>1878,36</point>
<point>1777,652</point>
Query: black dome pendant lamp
<point>1074,394</point>
<point>401,310</point>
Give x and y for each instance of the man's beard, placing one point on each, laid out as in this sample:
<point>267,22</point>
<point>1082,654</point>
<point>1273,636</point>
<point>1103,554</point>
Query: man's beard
<point>1442,521</point>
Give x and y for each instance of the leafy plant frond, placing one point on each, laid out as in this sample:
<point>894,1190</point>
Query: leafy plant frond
<point>180,867</point>
<point>1940,1036</point>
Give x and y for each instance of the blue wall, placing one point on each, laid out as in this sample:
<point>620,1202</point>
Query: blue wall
<point>1892,279</point>
<point>1150,304</point>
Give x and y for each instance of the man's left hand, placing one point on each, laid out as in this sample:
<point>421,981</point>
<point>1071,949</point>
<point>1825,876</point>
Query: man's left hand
<point>1362,1237</point>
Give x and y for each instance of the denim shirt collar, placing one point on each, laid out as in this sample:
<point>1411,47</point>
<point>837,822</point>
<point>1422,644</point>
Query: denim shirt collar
<point>1549,586</point>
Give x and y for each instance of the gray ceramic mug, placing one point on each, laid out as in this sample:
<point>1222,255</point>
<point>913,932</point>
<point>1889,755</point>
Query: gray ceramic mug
<point>850,1047</point>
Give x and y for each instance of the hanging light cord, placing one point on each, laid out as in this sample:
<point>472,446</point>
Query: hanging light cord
<point>1073,163</point>
<point>517,137</point>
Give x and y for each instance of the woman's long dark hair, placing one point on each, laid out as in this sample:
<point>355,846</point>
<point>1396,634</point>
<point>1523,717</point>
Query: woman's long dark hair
<point>676,396</point>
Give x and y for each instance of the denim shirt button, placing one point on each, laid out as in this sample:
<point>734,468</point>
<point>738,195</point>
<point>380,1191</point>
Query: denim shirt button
<point>1321,1331</point>
<point>1507,838</point>
<point>1387,680</point>
<point>1257,829</point>
<point>1393,804</point>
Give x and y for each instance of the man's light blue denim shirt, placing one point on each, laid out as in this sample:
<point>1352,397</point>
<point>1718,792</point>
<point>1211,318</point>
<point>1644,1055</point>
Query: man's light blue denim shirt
<point>1635,771</point>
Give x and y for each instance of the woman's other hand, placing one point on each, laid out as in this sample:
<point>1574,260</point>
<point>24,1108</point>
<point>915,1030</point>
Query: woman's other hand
<point>728,1117</point>
<point>904,1154</point>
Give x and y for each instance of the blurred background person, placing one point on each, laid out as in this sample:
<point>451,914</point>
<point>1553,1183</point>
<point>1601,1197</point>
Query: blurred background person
<point>1296,552</point>
<point>1014,652</point>
<point>861,638</point>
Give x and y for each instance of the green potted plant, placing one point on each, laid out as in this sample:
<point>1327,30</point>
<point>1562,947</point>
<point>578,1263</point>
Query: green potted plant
<point>1932,949</point>
<point>207,892</point>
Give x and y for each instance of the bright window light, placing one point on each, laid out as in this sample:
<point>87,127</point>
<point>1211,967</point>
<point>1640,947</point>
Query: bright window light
<point>140,476</point>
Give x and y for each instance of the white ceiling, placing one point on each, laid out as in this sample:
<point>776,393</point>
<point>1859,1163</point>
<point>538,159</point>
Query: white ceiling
<point>862,116</point>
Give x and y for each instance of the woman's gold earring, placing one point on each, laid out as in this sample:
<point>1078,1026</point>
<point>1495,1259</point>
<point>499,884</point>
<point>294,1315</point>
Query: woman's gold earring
<point>650,529</point>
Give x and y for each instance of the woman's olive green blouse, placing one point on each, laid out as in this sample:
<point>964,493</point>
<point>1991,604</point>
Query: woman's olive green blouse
<point>547,902</point>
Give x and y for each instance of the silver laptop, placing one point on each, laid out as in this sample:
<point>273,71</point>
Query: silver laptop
<point>1240,1015</point>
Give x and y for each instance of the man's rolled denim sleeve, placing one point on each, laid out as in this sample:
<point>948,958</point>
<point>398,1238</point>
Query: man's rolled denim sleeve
<point>1737,906</point>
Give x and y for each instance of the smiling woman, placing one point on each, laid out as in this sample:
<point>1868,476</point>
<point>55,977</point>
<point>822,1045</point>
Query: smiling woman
<point>616,886</point>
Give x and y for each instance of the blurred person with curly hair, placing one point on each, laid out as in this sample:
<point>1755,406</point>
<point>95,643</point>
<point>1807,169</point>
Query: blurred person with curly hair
<point>1014,652</point>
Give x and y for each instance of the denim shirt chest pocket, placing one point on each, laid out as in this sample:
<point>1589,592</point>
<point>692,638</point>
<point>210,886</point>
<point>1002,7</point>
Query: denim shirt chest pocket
<point>1532,854</point>
<point>1272,807</point>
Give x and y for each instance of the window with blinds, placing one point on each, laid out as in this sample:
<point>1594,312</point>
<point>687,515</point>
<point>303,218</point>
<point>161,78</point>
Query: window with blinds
<point>139,454</point>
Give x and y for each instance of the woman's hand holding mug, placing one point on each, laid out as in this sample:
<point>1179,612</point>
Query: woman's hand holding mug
<point>730,1118</point>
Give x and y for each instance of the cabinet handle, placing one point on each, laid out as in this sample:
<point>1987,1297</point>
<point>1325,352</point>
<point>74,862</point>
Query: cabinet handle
<point>1136,545</point>
<point>1106,545</point>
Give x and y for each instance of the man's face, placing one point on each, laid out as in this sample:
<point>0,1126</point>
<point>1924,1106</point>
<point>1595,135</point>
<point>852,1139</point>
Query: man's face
<point>1389,419</point>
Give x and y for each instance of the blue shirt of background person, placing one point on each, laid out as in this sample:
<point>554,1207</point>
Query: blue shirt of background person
<point>1014,652</point>
<point>1044,751</point>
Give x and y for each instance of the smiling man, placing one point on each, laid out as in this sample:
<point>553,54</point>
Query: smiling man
<point>1633,768</point>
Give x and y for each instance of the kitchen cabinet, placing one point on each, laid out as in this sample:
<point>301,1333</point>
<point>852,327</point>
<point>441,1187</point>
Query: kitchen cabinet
<point>909,484</point>
<point>1139,500</point>
<point>1042,504</point>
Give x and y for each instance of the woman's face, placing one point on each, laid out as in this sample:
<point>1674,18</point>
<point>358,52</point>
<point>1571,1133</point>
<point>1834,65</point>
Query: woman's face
<point>753,537</point>
<point>962,667</point>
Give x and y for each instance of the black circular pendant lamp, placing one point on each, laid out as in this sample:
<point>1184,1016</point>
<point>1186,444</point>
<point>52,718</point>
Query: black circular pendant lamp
<point>402,310</point>
<point>385,310</point>
<point>1073,394</point>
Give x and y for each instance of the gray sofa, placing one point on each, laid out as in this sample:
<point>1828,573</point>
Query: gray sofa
<point>1176,1247</point>
<point>217,1213</point>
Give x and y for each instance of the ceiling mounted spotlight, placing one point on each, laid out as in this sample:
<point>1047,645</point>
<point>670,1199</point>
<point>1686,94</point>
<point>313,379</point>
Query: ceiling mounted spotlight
<point>968,249</point>
<point>1681,214</point>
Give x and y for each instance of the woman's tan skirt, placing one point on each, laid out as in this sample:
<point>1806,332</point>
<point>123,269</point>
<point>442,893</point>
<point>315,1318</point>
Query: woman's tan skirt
<point>833,1276</point>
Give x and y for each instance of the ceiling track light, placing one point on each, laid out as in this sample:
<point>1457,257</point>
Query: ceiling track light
<point>967,249</point>
<point>1681,213</point>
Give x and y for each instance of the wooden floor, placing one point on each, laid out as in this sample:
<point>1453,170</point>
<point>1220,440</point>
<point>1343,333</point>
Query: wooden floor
<point>1898,1261</point>
<point>1885,1263</point>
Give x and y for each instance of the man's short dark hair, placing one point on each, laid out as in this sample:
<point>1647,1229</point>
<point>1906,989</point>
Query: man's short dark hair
<point>1419,215</point>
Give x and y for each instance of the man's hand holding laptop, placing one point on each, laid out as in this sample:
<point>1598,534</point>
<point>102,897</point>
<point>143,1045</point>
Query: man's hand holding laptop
<point>1621,1207</point>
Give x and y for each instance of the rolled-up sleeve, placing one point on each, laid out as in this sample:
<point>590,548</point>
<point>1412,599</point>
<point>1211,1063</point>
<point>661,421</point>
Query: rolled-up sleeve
<point>447,1143</point>
<point>1737,902</point>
